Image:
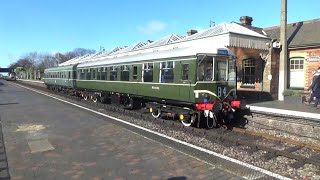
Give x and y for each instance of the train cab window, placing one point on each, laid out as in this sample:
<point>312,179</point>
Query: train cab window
<point>147,72</point>
<point>205,68</point>
<point>220,69</point>
<point>166,72</point>
<point>113,73</point>
<point>124,73</point>
<point>232,70</point>
<point>104,73</point>
<point>185,72</point>
<point>135,73</point>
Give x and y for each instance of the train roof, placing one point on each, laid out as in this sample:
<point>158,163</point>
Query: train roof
<point>156,55</point>
<point>61,68</point>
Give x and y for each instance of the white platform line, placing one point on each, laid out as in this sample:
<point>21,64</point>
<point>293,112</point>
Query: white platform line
<point>285,112</point>
<point>269,173</point>
<point>30,81</point>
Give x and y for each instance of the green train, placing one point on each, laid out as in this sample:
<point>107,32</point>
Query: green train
<point>189,83</point>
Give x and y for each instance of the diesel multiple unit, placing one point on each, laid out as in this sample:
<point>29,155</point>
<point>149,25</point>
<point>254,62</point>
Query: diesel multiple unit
<point>191,83</point>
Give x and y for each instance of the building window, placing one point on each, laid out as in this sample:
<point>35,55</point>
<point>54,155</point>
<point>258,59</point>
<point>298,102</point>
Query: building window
<point>113,73</point>
<point>185,72</point>
<point>125,73</point>
<point>135,73</point>
<point>248,68</point>
<point>166,72</point>
<point>296,64</point>
<point>147,72</point>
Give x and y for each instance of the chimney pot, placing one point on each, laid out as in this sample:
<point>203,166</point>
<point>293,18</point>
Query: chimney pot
<point>191,32</point>
<point>246,20</point>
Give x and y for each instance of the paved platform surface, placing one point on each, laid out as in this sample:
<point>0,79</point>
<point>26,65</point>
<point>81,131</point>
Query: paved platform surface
<point>47,139</point>
<point>286,106</point>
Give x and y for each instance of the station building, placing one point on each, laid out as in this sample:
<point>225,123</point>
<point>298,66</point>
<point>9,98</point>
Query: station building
<point>257,50</point>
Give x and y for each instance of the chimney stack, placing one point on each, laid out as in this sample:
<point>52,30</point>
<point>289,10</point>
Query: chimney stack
<point>246,20</point>
<point>191,32</point>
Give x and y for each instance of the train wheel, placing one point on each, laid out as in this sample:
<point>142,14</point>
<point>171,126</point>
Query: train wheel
<point>94,99</point>
<point>155,112</point>
<point>85,97</point>
<point>187,120</point>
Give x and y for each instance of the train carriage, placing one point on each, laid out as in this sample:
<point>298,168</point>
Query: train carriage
<point>187,82</point>
<point>61,78</point>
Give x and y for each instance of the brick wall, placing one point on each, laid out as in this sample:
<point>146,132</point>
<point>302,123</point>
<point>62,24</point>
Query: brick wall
<point>245,53</point>
<point>309,67</point>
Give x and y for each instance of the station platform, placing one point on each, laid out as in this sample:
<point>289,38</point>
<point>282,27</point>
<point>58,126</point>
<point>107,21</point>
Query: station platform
<point>299,110</point>
<point>48,139</point>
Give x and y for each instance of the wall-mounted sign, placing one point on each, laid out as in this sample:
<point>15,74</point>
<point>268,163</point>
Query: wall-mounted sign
<point>313,59</point>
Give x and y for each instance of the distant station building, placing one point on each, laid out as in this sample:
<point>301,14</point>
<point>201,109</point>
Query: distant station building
<point>303,51</point>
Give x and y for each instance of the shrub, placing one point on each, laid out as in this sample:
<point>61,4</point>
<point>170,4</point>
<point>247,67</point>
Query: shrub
<point>290,92</point>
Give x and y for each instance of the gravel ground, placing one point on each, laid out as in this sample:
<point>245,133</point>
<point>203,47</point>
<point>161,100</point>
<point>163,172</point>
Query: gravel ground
<point>280,165</point>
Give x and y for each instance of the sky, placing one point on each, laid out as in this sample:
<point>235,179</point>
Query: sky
<point>62,25</point>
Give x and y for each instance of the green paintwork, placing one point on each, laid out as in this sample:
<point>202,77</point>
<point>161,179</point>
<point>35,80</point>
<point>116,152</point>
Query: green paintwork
<point>68,81</point>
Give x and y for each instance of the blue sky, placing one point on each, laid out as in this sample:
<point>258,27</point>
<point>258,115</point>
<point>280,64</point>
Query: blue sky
<point>62,25</point>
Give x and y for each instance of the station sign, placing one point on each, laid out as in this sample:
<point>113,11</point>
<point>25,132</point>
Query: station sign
<point>313,59</point>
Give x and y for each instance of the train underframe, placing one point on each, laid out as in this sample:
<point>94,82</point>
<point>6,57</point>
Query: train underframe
<point>207,115</point>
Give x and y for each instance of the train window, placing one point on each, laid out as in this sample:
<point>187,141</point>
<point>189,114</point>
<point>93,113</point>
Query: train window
<point>99,73</point>
<point>135,73</point>
<point>74,75</point>
<point>147,72</point>
<point>113,73</point>
<point>88,74</point>
<point>93,72</point>
<point>185,72</point>
<point>232,70</point>
<point>104,74</point>
<point>166,72</point>
<point>205,68</point>
<point>124,73</point>
<point>221,69</point>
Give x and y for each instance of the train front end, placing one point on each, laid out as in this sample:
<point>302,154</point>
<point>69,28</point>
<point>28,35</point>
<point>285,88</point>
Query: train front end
<point>215,93</point>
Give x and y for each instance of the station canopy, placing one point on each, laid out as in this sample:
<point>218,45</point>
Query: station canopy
<point>225,34</point>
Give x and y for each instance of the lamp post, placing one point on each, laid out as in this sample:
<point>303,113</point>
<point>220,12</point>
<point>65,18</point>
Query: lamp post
<point>284,51</point>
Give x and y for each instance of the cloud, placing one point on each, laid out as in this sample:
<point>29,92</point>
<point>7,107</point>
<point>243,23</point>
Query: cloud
<point>152,27</point>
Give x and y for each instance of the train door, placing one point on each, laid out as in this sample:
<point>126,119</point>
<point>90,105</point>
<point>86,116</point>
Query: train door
<point>185,88</point>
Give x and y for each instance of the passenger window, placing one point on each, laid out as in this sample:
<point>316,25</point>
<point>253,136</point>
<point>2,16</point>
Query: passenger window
<point>88,74</point>
<point>99,73</point>
<point>135,73</point>
<point>104,74</point>
<point>185,72</point>
<point>125,73</point>
<point>94,74</point>
<point>113,73</point>
<point>166,73</point>
<point>147,72</point>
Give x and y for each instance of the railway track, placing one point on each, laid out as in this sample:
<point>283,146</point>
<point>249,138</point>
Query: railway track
<point>237,137</point>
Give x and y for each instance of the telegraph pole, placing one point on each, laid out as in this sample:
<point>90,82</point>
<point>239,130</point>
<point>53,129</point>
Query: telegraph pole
<point>284,51</point>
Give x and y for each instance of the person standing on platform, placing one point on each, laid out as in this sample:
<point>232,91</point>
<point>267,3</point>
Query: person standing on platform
<point>315,88</point>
